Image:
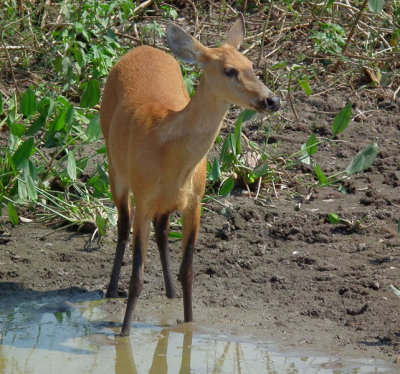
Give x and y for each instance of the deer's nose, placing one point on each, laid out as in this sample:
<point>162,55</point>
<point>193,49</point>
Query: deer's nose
<point>272,103</point>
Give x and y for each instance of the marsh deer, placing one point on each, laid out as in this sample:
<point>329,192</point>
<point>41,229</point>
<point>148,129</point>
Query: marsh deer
<point>157,139</point>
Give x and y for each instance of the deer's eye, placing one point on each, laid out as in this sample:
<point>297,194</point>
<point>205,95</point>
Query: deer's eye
<point>231,72</point>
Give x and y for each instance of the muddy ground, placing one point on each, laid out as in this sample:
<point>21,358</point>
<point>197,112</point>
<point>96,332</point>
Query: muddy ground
<point>274,267</point>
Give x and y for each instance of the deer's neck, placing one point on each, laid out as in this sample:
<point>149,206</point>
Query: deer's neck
<point>196,126</point>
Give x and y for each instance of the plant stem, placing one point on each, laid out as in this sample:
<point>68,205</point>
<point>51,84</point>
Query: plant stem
<point>290,97</point>
<point>352,31</point>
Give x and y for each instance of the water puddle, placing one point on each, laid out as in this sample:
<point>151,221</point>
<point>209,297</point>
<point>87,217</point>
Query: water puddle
<point>50,335</point>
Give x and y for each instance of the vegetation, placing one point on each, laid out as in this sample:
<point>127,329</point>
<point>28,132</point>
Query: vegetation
<point>55,56</point>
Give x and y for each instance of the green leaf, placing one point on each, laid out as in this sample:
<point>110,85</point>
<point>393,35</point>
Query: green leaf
<point>28,103</point>
<point>227,186</point>
<point>12,214</point>
<point>244,116</point>
<point>23,153</point>
<point>375,6</point>
<point>305,86</point>
<point>31,188</point>
<point>101,150</point>
<point>36,126</point>
<point>91,94</point>
<point>94,128</point>
<point>228,151</point>
<point>329,3</point>
<point>260,170</point>
<point>17,129</point>
<point>22,190</point>
<point>363,159</point>
<point>101,224</point>
<point>69,118</point>
<point>398,226</point>
<point>59,122</point>
<point>71,166</point>
<point>215,173</point>
<point>175,235</point>
<point>333,218</point>
<point>46,107</point>
<point>312,144</point>
<point>1,103</point>
<point>341,120</point>
<point>323,180</point>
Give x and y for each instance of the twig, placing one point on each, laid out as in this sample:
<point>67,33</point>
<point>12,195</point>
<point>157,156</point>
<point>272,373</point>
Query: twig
<point>221,3</point>
<point>11,66</point>
<point>143,6</point>
<point>258,188</point>
<point>263,37</point>
<point>396,92</point>
<point>56,26</point>
<point>352,31</point>
<point>290,97</point>
<point>196,14</point>
<point>127,36</point>
<point>44,18</point>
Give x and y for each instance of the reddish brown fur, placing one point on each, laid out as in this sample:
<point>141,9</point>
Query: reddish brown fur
<point>157,139</point>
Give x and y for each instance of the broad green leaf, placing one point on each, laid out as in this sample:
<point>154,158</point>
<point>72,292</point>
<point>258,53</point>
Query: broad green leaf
<point>12,214</point>
<point>59,123</point>
<point>69,117</point>
<point>101,224</point>
<point>71,166</point>
<point>363,159</point>
<point>30,170</point>
<point>260,170</point>
<point>375,6</point>
<point>28,103</point>
<point>94,129</point>
<point>244,116</point>
<point>333,218</point>
<point>22,190</point>
<point>323,180</point>
<point>32,194</point>
<point>341,120</point>
<point>91,94</point>
<point>17,129</point>
<point>305,86</point>
<point>227,186</point>
<point>312,144</point>
<point>228,151</point>
<point>46,107</point>
<point>215,172</point>
<point>36,126</point>
<point>23,153</point>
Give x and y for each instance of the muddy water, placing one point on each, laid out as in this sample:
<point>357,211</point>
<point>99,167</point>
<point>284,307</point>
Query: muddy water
<point>50,335</point>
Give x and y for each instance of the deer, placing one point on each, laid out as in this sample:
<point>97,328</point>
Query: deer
<point>157,139</point>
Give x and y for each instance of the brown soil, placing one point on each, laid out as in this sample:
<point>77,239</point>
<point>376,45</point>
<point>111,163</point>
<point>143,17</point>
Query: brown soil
<point>273,267</point>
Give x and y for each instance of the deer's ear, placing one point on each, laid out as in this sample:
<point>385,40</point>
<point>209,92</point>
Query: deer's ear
<point>237,33</point>
<point>184,46</point>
